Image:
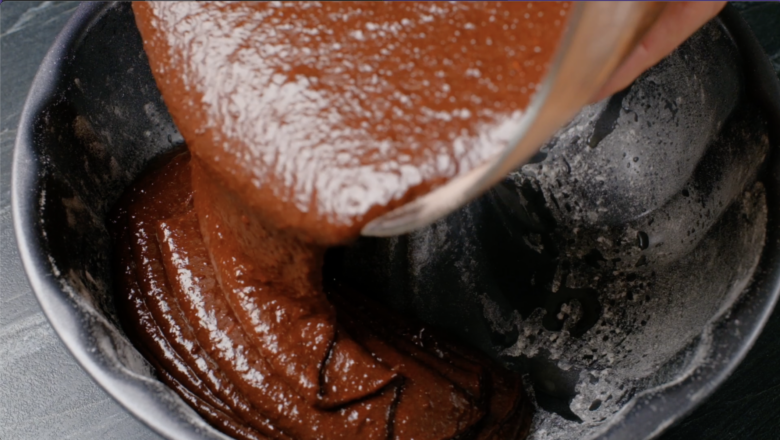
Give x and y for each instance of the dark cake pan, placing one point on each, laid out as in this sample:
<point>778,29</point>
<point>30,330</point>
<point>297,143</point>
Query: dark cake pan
<point>625,272</point>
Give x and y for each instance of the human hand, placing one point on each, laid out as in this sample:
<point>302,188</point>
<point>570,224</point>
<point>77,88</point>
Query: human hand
<point>678,21</point>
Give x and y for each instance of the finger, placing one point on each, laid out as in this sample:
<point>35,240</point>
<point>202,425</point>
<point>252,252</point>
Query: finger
<point>677,22</point>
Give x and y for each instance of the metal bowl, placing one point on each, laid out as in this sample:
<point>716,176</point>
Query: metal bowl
<point>625,289</point>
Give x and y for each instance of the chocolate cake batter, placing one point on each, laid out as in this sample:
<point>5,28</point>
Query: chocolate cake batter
<point>304,121</point>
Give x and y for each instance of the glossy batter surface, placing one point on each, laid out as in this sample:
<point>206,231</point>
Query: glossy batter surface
<point>378,378</point>
<point>303,120</point>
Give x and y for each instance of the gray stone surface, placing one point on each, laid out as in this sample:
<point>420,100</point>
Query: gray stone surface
<point>44,394</point>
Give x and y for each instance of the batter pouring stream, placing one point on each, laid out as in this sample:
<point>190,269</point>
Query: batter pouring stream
<point>303,122</point>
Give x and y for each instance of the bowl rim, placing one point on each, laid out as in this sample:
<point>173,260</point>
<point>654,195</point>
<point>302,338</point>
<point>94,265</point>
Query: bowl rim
<point>733,331</point>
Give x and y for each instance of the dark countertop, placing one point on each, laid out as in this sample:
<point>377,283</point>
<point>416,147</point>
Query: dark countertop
<point>44,394</point>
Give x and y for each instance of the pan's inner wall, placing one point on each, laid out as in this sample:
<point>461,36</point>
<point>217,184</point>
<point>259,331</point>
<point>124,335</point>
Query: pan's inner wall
<point>595,268</point>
